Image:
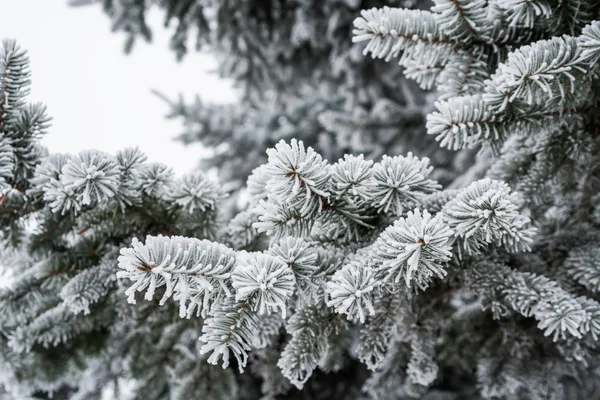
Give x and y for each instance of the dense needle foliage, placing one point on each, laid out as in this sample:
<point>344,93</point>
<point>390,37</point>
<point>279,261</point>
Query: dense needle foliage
<point>365,276</point>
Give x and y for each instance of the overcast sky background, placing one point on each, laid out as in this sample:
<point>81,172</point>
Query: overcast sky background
<point>98,97</point>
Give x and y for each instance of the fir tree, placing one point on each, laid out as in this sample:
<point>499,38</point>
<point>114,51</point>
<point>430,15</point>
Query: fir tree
<point>299,77</point>
<point>354,278</point>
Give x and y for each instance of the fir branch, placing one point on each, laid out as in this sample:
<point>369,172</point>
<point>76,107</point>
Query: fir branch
<point>191,270</point>
<point>535,73</point>
<point>416,33</point>
<point>230,328</point>
<point>460,19</point>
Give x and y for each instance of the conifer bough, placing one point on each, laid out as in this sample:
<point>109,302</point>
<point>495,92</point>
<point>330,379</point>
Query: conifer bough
<point>361,272</point>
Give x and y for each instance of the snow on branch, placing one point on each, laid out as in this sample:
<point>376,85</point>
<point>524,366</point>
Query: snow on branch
<point>351,291</point>
<point>15,77</point>
<point>298,255</point>
<point>398,182</point>
<point>297,176</point>
<point>414,249</point>
<point>589,42</point>
<point>266,280</point>
<point>487,212</point>
<point>559,313</point>
<point>195,191</point>
<point>464,122</point>
<point>462,19</point>
<point>194,272</point>
<point>536,73</point>
<point>415,33</point>
<point>91,176</point>
<point>230,328</point>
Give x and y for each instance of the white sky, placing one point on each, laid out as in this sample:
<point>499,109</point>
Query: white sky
<point>98,97</point>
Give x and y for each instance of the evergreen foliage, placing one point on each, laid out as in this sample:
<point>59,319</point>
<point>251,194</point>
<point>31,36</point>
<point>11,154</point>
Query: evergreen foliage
<point>357,278</point>
<point>299,77</point>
